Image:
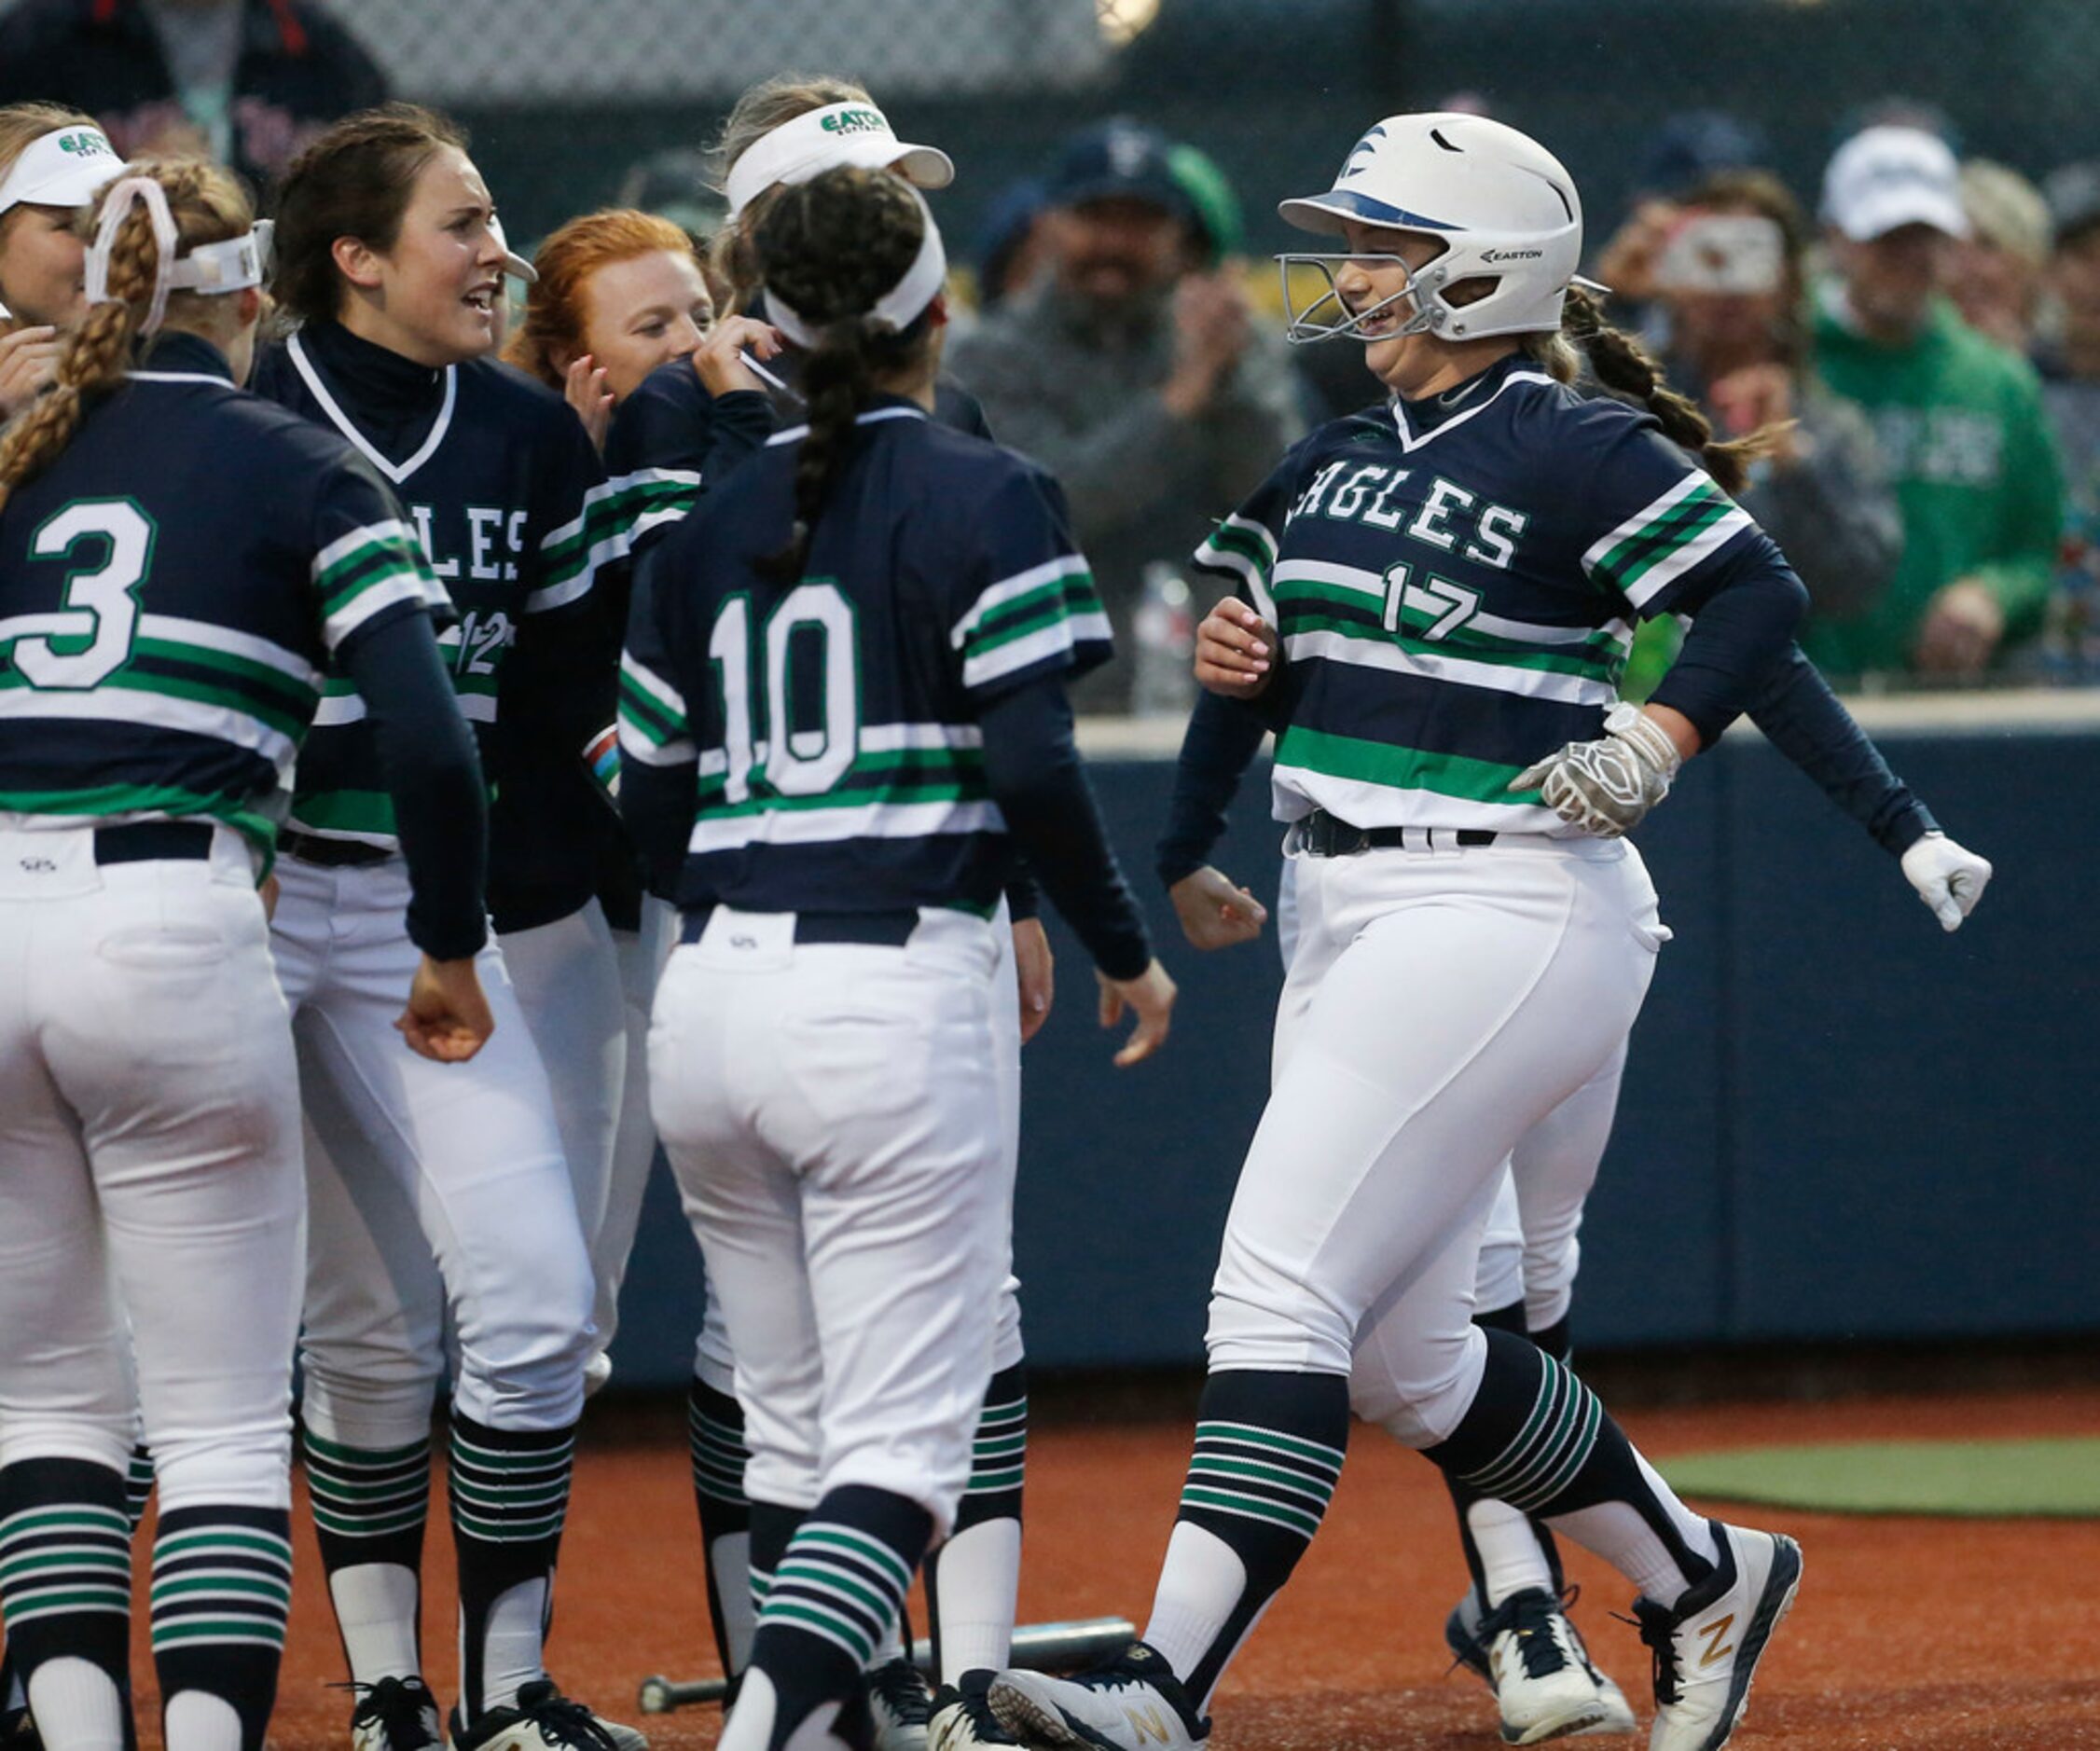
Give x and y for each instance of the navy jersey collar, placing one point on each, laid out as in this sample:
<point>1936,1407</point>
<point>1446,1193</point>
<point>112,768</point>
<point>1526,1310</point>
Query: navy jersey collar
<point>387,405</point>
<point>183,356</point>
<point>1430,417</point>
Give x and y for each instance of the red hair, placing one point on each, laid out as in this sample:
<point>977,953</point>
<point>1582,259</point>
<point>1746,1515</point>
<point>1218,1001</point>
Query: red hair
<point>554,307</point>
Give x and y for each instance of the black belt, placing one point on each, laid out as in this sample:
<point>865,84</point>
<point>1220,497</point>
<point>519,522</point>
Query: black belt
<point>148,841</point>
<point>309,847</point>
<point>881,930</point>
<point>1321,834</point>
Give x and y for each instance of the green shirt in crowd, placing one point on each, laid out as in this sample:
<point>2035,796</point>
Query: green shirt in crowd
<point>1961,429</point>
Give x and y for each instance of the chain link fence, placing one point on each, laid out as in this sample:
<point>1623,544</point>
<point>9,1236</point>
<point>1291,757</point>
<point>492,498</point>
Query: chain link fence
<point>565,94</point>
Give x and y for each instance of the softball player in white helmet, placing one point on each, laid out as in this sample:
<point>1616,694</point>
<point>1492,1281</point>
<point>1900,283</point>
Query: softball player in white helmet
<point>177,563</point>
<point>1440,598</point>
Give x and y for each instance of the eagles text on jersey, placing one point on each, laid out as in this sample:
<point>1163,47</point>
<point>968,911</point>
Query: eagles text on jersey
<point>516,520</point>
<point>1455,580</point>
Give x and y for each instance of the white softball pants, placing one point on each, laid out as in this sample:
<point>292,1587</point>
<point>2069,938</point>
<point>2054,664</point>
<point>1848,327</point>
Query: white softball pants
<point>831,1113</point>
<point>438,1186</point>
<point>149,1132</point>
<point>713,1359</point>
<point>1440,1005</point>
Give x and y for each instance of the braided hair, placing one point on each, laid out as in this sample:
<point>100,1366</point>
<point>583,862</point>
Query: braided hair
<point>1618,362</point>
<point>830,249</point>
<point>208,206</point>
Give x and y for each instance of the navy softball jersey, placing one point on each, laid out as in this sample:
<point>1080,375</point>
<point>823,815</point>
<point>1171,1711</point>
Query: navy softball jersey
<point>1455,579</point>
<point>519,526</point>
<point>818,748</point>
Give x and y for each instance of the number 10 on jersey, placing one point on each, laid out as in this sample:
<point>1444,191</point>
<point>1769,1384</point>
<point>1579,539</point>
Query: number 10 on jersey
<point>804,656</point>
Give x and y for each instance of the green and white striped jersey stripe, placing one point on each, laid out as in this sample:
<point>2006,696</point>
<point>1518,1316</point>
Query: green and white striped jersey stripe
<point>185,675</point>
<point>1664,539</point>
<point>907,782</point>
<point>648,497</point>
<point>1305,586</point>
<point>571,554</point>
<point>653,722</point>
<point>1376,784</point>
<point>1020,620</point>
<point>1245,547</point>
<point>368,570</point>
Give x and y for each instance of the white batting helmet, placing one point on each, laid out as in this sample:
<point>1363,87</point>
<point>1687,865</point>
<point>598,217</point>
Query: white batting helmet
<point>1504,207</point>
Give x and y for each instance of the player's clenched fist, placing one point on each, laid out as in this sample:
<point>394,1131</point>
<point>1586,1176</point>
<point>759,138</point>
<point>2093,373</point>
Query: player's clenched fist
<point>1150,997</point>
<point>1214,912</point>
<point>447,1016</point>
<point>1235,651</point>
<point>1605,786</point>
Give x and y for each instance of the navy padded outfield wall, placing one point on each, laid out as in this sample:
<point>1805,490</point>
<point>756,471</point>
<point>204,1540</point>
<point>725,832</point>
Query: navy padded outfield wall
<point>1838,1123</point>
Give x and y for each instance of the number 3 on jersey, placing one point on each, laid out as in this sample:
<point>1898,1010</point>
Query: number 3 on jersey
<point>804,668</point>
<point>89,637</point>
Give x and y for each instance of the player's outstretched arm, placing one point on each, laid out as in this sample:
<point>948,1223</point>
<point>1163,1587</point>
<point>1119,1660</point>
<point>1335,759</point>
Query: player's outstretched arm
<point>1035,774</point>
<point>1807,723</point>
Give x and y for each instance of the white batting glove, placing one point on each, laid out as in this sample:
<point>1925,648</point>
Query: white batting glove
<point>1948,877</point>
<point>1605,786</point>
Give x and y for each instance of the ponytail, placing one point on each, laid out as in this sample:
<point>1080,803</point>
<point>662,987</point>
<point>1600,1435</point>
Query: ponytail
<point>832,249</point>
<point>1618,362</point>
<point>205,206</point>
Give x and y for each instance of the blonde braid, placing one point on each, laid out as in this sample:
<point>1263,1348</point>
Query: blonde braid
<point>103,348</point>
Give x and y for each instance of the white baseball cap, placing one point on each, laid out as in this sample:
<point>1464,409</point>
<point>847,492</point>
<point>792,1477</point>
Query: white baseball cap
<point>1887,177</point>
<point>820,140</point>
<point>64,168</point>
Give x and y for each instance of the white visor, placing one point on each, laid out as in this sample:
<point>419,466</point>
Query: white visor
<point>515,265</point>
<point>822,140</point>
<point>233,266</point>
<point>900,306</point>
<point>66,168</point>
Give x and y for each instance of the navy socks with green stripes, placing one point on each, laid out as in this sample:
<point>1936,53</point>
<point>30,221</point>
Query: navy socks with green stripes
<point>714,1427</point>
<point>1507,1550</point>
<point>65,1593</point>
<point>369,1507</point>
<point>1269,1451</point>
<point>510,1493</point>
<point>1536,1437</point>
<point>222,1587</point>
<point>830,1596</point>
<point>973,1579</point>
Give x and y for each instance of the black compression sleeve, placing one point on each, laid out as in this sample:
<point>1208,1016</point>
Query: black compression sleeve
<point>657,804</point>
<point>1220,743</point>
<point>1738,632</point>
<point>1033,768</point>
<point>1805,720</point>
<point>1023,898</point>
<point>433,776</point>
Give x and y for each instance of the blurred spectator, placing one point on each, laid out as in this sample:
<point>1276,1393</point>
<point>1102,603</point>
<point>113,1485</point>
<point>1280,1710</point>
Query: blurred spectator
<point>1999,266</point>
<point>1144,383</point>
<point>1010,245</point>
<point>1732,282</point>
<point>1685,151</point>
<point>1958,418</point>
<point>248,82</point>
<point>2069,360</point>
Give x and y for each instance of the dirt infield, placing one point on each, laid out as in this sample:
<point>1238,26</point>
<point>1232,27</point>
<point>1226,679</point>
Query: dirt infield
<point>1951,1636</point>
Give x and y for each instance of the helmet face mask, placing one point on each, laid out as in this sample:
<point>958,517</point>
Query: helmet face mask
<point>1326,315</point>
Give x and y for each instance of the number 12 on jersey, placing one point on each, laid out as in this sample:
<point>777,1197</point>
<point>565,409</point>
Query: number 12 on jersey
<point>806,652</point>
